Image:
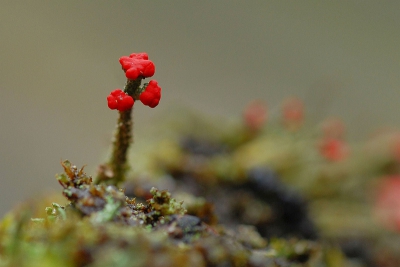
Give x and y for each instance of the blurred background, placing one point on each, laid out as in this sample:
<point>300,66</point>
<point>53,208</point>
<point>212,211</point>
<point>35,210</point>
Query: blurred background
<point>59,61</point>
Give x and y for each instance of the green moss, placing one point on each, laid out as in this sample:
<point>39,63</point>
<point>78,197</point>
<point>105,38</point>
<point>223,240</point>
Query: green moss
<point>100,226</point>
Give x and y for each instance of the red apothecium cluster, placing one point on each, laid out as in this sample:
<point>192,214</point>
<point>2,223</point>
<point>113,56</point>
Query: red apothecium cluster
<point>117,99</point>
<point>151,95</point>
<point>136,66</point>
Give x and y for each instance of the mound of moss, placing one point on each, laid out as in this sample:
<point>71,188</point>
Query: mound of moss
<point>101,226</point>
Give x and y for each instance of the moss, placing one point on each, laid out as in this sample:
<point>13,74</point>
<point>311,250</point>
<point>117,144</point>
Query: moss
<point>100,226</point>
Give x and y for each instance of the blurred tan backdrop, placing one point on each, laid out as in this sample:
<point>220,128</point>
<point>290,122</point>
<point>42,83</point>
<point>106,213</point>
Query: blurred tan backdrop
<point>59,60</point>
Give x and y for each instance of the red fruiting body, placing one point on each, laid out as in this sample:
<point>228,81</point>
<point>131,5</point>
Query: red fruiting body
<point>139,55</point>
<point>293,110</point>
<point>334,149</point>
<point>387,205</point>
<point>137,65</point>
<point>117,99</point>
<point>255,115</point>
<point>151,95</point>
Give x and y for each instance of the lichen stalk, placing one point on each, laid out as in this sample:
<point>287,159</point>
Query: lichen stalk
<point>115,171</point>
<point>122,141</point>
<point>132,88</point>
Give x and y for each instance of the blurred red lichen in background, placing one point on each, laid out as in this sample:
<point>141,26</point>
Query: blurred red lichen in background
<point>332,145</point>
<point>255,115</point>
<point>334,149</point>
<point>293,113</point>
<point>387,204</point>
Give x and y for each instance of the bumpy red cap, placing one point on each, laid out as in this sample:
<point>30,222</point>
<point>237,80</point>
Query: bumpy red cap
<point>117,99</point>
<point>151,95</point>
<point>136,65</point>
